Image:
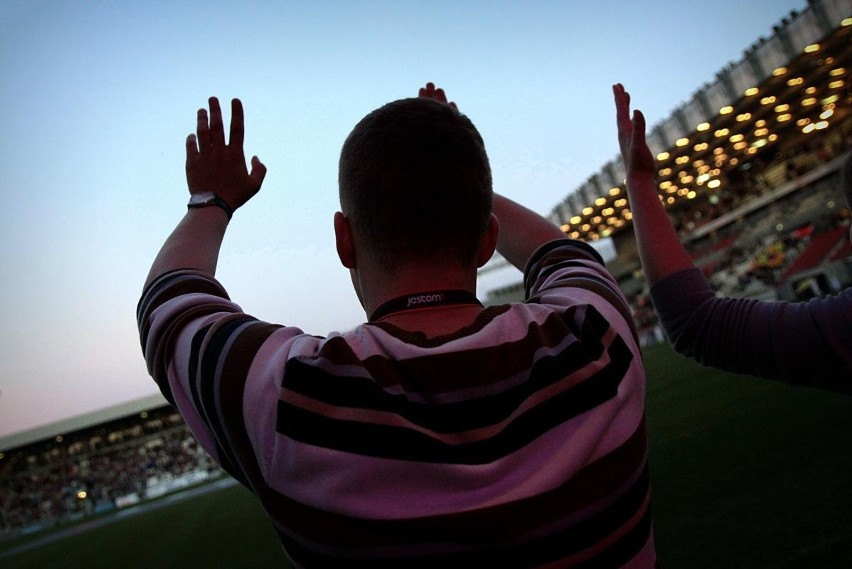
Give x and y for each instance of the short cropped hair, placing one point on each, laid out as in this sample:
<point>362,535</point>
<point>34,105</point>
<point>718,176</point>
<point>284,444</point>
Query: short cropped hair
<point>415,183</point>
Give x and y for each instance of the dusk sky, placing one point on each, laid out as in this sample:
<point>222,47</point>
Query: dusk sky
<point>97,99</point>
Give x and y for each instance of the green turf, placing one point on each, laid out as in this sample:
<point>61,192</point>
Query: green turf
<point>746,473</point>
<point>222,529</point>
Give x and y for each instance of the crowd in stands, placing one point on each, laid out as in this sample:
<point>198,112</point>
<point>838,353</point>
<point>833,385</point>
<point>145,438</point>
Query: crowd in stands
<point>757,178</point>
<point>751,264</point>
<point>90,472</point>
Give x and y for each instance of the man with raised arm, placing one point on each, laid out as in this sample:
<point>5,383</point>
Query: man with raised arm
<point>807,343</point>
<point>440,433</point>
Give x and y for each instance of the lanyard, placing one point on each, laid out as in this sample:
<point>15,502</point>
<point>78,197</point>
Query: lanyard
<point>424,300</point>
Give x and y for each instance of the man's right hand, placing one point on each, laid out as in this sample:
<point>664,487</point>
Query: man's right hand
<point>213,166</point>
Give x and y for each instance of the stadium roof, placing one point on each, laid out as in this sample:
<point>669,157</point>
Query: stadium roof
<point>78,422</point>
<point>785,89</point>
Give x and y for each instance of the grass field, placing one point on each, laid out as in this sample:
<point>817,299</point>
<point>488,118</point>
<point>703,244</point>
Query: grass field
<point>745,474</point>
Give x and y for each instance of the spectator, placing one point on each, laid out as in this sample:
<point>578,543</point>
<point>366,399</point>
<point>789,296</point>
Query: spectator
<point>438,432</point>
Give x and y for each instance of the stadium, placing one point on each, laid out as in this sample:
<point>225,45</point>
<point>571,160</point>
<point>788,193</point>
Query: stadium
<point>748,169</point>
<point>746,473</point>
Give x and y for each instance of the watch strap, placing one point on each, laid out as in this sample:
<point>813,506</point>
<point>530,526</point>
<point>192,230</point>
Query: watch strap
<point>215,200</point>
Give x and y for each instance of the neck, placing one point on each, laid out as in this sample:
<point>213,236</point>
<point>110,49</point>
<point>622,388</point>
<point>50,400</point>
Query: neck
<point>378,286</point>
<point>429,299</point>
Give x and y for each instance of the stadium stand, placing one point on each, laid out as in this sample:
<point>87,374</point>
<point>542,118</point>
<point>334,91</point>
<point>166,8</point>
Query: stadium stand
<point>99,469</point>
<point>815,252</point>
<point>748,170</point>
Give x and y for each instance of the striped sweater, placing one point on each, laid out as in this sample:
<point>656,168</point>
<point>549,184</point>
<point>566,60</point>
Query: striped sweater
<point>518,441</point>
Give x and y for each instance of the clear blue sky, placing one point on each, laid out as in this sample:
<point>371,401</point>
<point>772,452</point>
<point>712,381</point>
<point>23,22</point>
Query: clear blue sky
<point>98,97</point>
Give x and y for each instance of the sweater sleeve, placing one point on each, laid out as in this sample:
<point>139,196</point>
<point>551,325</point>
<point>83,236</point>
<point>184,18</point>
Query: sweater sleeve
<point>200,349</point>
<point>567,272</point>
<point>804,343</point>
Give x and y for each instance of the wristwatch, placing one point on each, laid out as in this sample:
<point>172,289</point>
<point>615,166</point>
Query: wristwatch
<point>204,199</point>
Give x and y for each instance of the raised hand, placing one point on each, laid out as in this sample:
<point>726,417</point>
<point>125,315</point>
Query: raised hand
<point>214,166</point>
<point>430,92</point>
<point>638,160</point>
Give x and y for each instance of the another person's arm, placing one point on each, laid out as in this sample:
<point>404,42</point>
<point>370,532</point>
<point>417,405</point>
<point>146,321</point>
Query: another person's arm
<point>660,249</point>
<point>802,343</point>
<point>219,168</point>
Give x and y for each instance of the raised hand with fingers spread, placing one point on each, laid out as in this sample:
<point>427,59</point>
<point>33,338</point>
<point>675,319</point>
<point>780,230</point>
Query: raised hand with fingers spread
<point>216,175</point>
<point>214,166</point>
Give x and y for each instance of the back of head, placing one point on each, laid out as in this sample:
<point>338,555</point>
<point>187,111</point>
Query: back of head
<point>415,183</point>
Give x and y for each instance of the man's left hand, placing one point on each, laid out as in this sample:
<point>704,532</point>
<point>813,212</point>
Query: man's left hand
<point>430,92</point>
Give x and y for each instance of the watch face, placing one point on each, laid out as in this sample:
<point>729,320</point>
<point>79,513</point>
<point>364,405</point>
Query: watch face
<point>201,198</point>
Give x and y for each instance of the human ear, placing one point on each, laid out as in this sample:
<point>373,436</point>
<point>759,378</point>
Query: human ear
<point>344,240</point>
<point>488,242</point>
